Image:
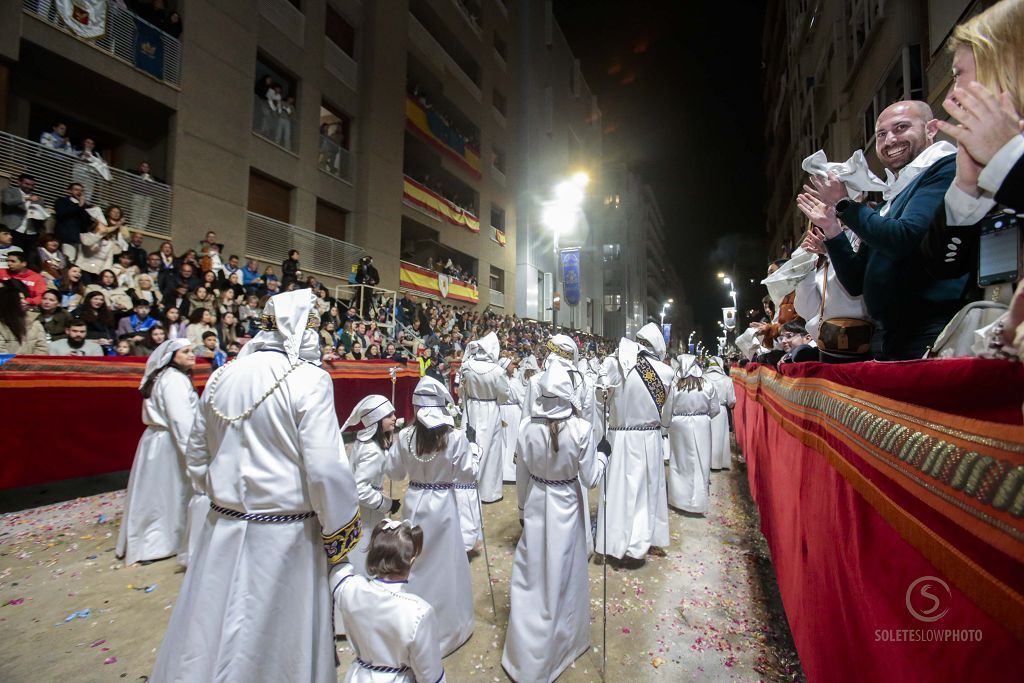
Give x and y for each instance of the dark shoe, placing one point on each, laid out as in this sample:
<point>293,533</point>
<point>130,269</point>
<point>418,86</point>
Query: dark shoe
<point>656,551</point>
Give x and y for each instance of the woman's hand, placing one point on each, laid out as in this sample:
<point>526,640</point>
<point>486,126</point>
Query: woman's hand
<point>986,122</point>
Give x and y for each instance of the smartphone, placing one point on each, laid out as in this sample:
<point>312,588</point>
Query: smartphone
<point>999,249</point>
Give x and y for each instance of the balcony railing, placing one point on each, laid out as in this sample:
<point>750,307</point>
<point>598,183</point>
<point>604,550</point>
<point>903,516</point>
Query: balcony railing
<point>146,204</point>
<point>335,159</point>
<point>128,38</point>
<point>270,240</point>
<point>339,64</point>
<point>497,298</point>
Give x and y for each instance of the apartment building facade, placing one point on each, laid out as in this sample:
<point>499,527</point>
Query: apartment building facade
<point>402,142</point>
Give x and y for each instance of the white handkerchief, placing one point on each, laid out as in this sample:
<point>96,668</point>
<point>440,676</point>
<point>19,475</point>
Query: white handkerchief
<point>854,172</point>
<point>785,279</point>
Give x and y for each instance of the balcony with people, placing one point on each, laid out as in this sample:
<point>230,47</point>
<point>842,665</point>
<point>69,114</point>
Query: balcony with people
<point>431,190</point>
<point>440,123</point>
<point>144,35</point>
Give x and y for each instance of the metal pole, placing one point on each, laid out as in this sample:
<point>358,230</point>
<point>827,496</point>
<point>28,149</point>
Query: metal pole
<point>604,599</point>
<point>393,371</point>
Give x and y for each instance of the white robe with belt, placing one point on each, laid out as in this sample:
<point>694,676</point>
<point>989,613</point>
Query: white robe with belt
<point>549,622</point>
<point>483,389</point>
<point>511,415</point>
<point>721,449</point>
<point>389,628</point>
<point>367,460</point>
<point>688,415</point>
<point>636,507</point>
<point>155,506</point>
<point>440,574</point>
<point>255,604</point>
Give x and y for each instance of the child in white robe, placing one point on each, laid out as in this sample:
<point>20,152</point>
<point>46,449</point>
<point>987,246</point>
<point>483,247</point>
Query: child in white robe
<point>549,622</point>
<point>376,415</point>
<point>435,457</point>
<point>691,404</point>
<point>154,522</point>
<point>393,632</point>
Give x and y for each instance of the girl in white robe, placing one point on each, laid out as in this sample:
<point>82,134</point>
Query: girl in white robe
<point>435,457</point>
<point>154,521</point>
<point>511,415</point>
<point>393,632</point>
<point>721,450</point>
<point>549,621</point>
<point>376,415</point>
<point>692,402</point>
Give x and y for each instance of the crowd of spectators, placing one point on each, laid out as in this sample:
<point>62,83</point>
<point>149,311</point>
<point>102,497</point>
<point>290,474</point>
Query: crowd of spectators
<point>468,139</point>
<point>87,286</point>
<point>451,269</point>
<point>461,199</point>
<point>893,269</point>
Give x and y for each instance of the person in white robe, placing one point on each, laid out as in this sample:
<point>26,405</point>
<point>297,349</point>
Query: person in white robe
<point>435,457</point>
<point>562,350</point>
<point>376,417</point>
<point>483,389</point>
<point>511,415</point>
<point>393,632</point>
<point>721,446</point>
<point>549,621</point>
<point>636,382</point>
<point>466,496</point>
<point>691,404</point>
<point>156,501</point>
<point>256,603</point>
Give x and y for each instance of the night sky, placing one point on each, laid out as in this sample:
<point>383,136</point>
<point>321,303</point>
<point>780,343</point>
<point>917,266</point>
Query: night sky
<point>678,83</point>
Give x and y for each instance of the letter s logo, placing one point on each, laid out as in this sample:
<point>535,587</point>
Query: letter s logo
<point>927,584</point>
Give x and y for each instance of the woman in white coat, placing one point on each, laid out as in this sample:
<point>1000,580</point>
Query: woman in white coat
<point>393,632</point>
<point>721,451</point>
<point>376,416</point>
<point>692,402</point>
<point>549,622</point>
<point>435,457</point>
<point>511,415</point>
<point>154,521</point>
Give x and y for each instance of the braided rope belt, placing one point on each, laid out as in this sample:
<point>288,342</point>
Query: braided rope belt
<point>431,486</point>
<point>688,414</point>
<point>381,668</point>
<point>553,482</point>
<point>465,486</point>
<point>473,398</point>
<point>252,517</point>
<point>378,489</point>
<point>648,428</point>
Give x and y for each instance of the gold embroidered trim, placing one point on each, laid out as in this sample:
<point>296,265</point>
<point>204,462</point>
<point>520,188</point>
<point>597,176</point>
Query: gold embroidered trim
<point>268,323</point>
<point>652,381</point>
<point>338,544</point>
<point>558,351</point>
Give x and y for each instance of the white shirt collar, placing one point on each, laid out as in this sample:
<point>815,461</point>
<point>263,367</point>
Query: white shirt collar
<point>919,165</point>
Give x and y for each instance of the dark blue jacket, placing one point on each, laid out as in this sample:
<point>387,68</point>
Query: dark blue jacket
<point>888,269</point>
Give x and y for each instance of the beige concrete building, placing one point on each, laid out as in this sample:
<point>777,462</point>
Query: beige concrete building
<point>830,67</point>
<point>384,93</point>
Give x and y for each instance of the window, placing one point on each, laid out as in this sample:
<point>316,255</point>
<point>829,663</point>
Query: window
<point>610,253</point>
<point>340,32</point>
<point>334,155</point>
<point>500,103</point>
<point>497,217</point>
<point>498,159</point>
<point>330,220</point>
<point>612,303</point>
<point>501,47</point>
<point>297,4</point>
<point>497,279</point>
<point>269,197</point>
<point>275,107</point>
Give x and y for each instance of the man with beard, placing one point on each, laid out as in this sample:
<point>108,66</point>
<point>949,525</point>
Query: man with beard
<point>75,344</point>
<point>909,307</point>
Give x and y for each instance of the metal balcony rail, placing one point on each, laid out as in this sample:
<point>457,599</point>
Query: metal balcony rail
<point>128,38</point>
<point>146,204</point>
<point>270,240</point>
<point>335,159</point>
<point>497,298</point>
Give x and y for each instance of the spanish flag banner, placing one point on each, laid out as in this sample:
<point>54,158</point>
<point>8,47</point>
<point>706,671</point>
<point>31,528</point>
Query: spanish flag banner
<point>437,285</point>
<point>499,236</point>
<point>419,196</point>
<point>429,126</point>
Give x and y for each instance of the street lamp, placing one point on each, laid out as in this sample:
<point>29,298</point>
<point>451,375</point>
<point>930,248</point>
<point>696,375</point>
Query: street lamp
<point>663,307</point>
<point>561,213</point>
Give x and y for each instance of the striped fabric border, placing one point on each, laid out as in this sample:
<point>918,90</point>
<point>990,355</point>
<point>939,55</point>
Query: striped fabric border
<point>425,281</point>
<point>970,471</point>
<point>422,197</point>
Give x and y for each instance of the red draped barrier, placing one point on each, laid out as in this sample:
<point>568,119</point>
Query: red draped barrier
<point>865,488</point>
<point>68,417</point>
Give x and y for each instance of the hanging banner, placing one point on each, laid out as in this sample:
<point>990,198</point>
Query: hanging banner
<point>85,18</point>
<point>570,275</point>
<point>429,127</point>
<point>729,318</point>
<point>429,283</point>
<point>666,331</point>
<point>424,198</point>
<point>149,48</point>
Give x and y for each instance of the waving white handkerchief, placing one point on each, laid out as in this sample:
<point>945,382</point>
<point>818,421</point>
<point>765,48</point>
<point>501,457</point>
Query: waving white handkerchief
<point>785,279</point>
<point>854,172</point>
